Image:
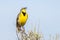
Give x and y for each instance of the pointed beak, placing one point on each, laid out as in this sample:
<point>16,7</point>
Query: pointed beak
<point>25,7</point>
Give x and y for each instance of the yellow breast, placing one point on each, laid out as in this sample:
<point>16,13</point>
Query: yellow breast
<point>22,19</point>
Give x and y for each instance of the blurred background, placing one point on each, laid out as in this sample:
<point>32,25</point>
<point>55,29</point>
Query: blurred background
<point>43,14</point>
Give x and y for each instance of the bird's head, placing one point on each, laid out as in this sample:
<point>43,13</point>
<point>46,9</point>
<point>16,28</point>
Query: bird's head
<point>23,11</point>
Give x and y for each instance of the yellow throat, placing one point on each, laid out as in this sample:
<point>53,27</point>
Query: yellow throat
<point>23,16</point>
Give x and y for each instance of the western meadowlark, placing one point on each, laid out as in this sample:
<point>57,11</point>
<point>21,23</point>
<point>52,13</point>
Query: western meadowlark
<point>21,18</point>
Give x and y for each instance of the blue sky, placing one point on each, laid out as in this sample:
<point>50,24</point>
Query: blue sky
<point>44,14</point>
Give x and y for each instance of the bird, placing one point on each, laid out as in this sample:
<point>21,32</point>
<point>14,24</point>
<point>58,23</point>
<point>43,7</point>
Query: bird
<point>21,19</point>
